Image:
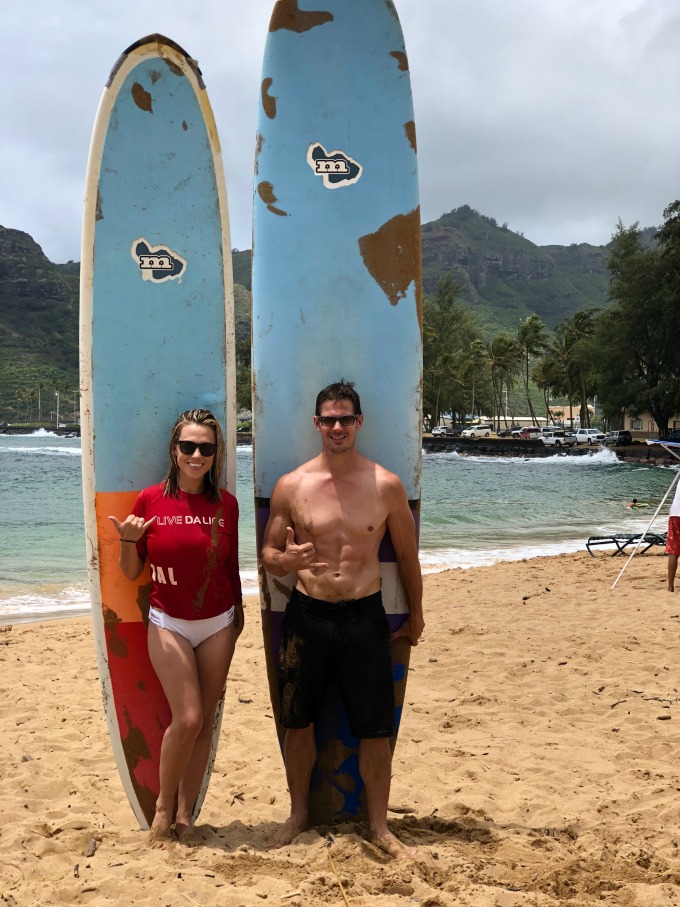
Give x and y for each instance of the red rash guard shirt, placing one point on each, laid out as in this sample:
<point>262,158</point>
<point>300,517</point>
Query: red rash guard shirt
<point>192,549</point>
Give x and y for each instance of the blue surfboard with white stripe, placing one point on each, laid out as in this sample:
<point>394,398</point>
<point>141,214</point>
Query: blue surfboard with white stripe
<point>336,290</point>
<point>156,338</point>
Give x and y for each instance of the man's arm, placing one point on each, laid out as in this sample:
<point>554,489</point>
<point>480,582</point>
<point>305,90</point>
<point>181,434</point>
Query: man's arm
<point>280,555</point>
<point>402,531</point>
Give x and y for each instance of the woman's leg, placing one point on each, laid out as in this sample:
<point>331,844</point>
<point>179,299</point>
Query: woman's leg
<point>174,662</point>
<point>213,658</point>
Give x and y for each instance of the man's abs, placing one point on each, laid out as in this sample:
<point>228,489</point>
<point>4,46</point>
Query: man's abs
<point>341,582</point>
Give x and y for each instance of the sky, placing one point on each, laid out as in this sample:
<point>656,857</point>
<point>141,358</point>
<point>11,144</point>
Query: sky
<point>557,117</point>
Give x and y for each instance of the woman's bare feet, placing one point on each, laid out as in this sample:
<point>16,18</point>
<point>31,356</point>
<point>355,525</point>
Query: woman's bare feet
<point>160,833</point>
<point>158,837</point>
<point>393,846</point>
<point>186,834</point>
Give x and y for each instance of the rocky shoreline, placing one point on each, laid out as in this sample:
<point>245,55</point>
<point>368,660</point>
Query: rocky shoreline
<point>517,447</point>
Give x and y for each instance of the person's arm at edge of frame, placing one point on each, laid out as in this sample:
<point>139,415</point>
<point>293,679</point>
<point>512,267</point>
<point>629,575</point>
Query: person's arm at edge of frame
<point>402,531</point>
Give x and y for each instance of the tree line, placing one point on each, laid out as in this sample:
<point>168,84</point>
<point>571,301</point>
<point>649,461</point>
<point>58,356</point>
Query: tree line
<point>627,355</point>
<point>47,402</point>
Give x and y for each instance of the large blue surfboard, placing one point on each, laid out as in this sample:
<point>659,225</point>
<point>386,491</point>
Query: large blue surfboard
<point>336,291</point>
<point>156,338</point>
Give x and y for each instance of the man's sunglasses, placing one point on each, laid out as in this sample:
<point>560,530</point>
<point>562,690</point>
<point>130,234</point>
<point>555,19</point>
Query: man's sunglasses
<point>189,447</point>
<point>329,421</point>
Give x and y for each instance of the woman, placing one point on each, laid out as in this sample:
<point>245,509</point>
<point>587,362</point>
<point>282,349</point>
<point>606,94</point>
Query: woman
<point>188,528</point>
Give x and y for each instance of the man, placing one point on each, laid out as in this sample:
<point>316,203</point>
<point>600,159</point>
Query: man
<point>326,522</point>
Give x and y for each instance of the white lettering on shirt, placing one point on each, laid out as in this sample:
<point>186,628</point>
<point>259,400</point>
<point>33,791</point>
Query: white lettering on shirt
<point>188,521</point>
<point>158,575</point>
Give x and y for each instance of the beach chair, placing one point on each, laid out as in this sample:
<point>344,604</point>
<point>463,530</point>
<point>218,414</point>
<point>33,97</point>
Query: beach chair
<point>624,540</point>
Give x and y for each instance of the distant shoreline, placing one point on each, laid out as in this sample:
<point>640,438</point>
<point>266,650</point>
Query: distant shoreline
<point>493,447</point>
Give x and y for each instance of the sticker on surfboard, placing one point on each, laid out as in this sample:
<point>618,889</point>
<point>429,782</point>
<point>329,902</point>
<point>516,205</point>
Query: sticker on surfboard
<point>336,168</point>
<point>157,263</point>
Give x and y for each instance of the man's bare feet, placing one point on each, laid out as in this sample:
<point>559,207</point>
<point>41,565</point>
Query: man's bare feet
<point>186,834</point>
<point>393,846</point>
<point>285,833</point>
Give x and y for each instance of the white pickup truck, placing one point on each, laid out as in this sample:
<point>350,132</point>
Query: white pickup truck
<point>558,438</point>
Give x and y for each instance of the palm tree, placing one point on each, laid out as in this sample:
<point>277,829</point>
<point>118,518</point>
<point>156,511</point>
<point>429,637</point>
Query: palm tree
<point>572,350</point>
<point>531,340</point>
<point>473,368</point>
<point>41,387</point>
<point>31,398</point>
<point>545,375</point>
<point>502,357</point>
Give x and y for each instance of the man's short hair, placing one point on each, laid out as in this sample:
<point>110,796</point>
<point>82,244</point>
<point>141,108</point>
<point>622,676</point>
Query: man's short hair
<point>340,390</point>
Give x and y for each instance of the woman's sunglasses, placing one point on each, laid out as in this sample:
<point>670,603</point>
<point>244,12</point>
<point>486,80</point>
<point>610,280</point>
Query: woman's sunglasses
<point>189,447</point>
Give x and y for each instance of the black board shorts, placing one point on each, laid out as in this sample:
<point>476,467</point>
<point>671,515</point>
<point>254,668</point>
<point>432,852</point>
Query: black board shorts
<point>347,642</point>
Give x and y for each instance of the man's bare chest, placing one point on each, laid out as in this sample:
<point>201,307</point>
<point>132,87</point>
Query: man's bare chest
<point>353,512</point>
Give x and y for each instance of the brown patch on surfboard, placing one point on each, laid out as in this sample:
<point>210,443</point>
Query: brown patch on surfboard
<point>174,68</point>
<point>266,192</point>
<point>115,644</point>
<point>141,97</point>
<point>144,601</point>
<point>410,130</point>
<point>268,100</point>
<point>99,214</point>
<point>393,257</point>
<point>136,749</point>
<point>401,58</point>
<point>259,142</point>
<point>288,15</point>
<point>283,589</point>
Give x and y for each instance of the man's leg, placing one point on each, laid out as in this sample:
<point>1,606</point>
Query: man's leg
<point>672,569</point>
<point>299,753</point>
<point>375,767</point>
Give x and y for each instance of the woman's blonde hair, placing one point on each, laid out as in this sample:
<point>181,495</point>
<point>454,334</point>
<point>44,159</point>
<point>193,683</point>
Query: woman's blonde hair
<point>213,478</point>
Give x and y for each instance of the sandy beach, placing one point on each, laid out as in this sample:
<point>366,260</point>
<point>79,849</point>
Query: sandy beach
<point>537,762</point>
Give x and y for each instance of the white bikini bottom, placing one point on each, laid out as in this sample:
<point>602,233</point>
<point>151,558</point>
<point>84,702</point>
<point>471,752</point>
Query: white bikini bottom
<point>194,631</point>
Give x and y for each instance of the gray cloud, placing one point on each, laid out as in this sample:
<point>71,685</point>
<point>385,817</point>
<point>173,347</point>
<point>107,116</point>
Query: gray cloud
<point>556,117</point>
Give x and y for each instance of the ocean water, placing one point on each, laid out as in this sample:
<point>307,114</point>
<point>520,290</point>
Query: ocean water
<point>475,510</point>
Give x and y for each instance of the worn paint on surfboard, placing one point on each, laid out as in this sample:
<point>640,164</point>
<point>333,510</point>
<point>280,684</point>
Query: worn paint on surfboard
<point>336,291</point>
<point>156,332</point>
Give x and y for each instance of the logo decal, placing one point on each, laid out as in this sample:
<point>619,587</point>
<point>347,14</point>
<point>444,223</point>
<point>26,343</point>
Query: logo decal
<point>157,263</point>
<point>336,168</point>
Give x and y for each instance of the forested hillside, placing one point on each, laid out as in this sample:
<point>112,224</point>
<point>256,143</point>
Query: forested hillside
<point>502,276</point>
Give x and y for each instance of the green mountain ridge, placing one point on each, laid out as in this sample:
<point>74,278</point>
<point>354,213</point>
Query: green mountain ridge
<point>503,277</point>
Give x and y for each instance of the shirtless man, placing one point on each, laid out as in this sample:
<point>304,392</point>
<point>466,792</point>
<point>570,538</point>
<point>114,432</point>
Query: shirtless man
<point>326,522</point>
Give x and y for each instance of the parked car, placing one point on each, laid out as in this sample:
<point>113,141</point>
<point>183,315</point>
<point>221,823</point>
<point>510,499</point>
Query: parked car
<point>618,437</point>
<point>558,438</point>
<point>477,431</point>
<point>444,430</point>
<point>672,435</point>
<point>530,432</point>
<point>513,431</point>
<point>589,436</point>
